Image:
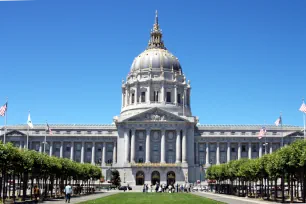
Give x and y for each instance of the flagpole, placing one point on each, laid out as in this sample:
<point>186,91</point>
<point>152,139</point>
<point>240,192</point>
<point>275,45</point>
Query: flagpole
<point>45,139</point>
<point>282,135</point>
<point>265,138</point>
<point>28,135</point>
<point>5,121</point>
<point>304,127</point>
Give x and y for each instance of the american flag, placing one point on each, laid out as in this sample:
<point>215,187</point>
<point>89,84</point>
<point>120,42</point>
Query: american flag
<point>3,109</point>
<point>262,132</point>
<point>278,121</point>
<point>48,129</point>
<point>303,108</point>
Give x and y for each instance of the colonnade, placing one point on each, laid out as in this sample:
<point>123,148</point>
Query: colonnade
<point>228,150</point>
<point>72,151</point>
<point>181,146</point>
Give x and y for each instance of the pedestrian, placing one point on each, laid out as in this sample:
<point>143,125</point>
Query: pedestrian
<point>147,188</point>
<point>36,193</point>
<point>177,187</point>
<point>68,191</point>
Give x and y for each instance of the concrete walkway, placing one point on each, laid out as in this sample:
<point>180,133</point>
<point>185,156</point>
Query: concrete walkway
<point>231,199</point>
<point>82,198</point>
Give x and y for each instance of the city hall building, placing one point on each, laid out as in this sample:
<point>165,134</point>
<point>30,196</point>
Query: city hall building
<point>156,138</point>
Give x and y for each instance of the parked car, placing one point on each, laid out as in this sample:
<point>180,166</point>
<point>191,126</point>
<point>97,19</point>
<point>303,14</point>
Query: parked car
<point>124,188</point>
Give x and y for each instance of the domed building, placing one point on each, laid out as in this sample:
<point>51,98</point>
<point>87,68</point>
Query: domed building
<point>155,138</point>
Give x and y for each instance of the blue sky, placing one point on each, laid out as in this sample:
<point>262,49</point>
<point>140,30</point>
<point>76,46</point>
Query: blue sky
<point>64,59</point>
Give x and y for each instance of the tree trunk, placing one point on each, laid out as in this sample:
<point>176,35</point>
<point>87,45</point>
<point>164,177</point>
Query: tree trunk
<point>283,187</point>
<point>275,189</point>
<point>268,189</point>
<point>291,188</point>
<point>4,182</point>
<point>14,185</point>
<point>24,187</point>
<point>304,185</point>
<point>32,185</point>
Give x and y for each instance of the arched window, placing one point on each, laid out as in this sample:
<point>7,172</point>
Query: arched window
<point>140,177</point>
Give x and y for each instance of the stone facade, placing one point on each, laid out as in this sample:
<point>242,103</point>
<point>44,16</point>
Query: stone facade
<point>155,137</point>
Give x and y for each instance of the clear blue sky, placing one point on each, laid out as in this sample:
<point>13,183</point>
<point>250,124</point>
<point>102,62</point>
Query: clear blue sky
<point>65,59</point>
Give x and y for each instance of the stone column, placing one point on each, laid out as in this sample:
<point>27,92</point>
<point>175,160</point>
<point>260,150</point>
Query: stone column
<point>61,149</point>
<point>218,153</point>
<point>136,93</point>
<point>184,147</point>
<point>178,147</point>
<point>148,146</point>
<point>93,151</point>
<point>260,149</point>
<point>72,151</point>
<point>82,152</point>
<point>51,148</point>
<point>175,94</point>
<point>103,154</point>
<point>163,147</point>
<point>40,147</point>
<point>149,94</point>
<point>207,154</point>
<point>126,96</point>
<point>196,156</point>
<point>127,144</point>
<point>239,150</point>
<point>133,147</point>
<point>271,149</point>
<point>250,150</point>
<point>115,153</point>
<point>228,154</point>
<point>162,93</point>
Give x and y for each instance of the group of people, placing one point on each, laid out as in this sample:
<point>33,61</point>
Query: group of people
<point>67,190</point>
<point>171,188</point>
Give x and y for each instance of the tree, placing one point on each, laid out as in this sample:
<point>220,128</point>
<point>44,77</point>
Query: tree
<point>115,179</point>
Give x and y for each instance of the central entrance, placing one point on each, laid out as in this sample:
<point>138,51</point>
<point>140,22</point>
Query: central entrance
<point>170,178</point>
<point>155,177</point>
<point>139,178</point>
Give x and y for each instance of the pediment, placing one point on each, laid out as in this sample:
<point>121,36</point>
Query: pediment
<point>155,115</point>
<point>15,133</point>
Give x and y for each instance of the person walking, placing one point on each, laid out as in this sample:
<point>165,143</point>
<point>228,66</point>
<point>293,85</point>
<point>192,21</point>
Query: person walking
<point>36,194</point>
<point>68,191</point>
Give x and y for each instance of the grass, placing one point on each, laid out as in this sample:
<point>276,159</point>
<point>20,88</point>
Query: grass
<point>154,198</point>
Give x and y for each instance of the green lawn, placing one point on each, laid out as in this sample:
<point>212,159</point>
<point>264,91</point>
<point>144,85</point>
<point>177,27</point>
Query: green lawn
<point>154,198</point>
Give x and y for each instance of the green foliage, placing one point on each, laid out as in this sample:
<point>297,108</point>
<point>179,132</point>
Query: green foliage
<point>115,179</point>
<point>287,159</point>
<point>43,166</point>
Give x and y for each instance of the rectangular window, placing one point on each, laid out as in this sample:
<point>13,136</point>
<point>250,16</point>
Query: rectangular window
<point>233,133</point>
<point>233,149</point>
<point>140,160</point>
<point>140,147</point>
<point>254,148</point>
<point>178,98</point>
<point>155,147</point>
<point>168,97</point>
<point>242,133</point>
<point>133,98</point>
<point>243,148</point>
<point>201,147</point>
<point>78,132</point>
<point>88,132</point>
<point>143,97</point>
